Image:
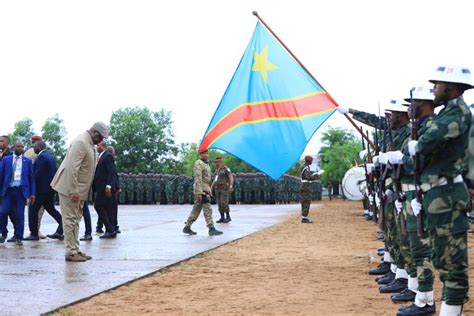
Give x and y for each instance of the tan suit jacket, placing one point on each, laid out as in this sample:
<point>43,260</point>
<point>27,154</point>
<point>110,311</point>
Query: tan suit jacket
<point>30,153</point>
<point>76,172</point>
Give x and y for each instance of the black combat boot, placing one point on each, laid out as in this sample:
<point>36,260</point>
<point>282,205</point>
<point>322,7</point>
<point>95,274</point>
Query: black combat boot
<point>385,279</point>
<point>404,296</point>
<point>221,220</point>
<point>416,310</point>
<point>187,230</point>
<point>227,218</point>
<point>382,269</point>
<point>396,286</point>
<point>214,232</point>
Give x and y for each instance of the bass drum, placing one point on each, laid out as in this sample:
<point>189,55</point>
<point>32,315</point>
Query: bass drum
<point>352,182</point>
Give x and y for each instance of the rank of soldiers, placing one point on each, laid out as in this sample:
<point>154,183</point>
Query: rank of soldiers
<point>249,188</point>
<point>419,178</point>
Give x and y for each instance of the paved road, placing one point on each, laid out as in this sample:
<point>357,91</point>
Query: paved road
<point>35,279</point>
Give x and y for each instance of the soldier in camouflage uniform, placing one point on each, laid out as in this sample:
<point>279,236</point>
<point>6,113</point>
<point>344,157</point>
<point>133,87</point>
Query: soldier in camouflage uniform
<point>202,192</point>
<point>122,181</point>
<point>180,189</point>
<point>444,144</point>
<point>419,251</point>
<point>307,178</point>
<point>222,185</point>
<point>393,265</point>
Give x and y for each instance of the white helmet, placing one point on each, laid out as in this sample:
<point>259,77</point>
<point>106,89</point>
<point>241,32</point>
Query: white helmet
<point>454,74</point>
<point>422,93</point>
<point>395,106</point>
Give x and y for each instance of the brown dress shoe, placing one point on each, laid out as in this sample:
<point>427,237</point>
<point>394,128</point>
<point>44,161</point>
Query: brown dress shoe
<point>75,258</point>
<point>84,255</point>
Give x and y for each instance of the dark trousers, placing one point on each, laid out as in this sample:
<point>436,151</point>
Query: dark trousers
<point>113,213</point>
<point>12,219</point>
<point>103,212</point>
<point>47,201</point>
<point>13,202</point>
<point>87,218</point>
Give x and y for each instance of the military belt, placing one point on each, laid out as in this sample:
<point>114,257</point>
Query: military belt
<point>441,181</point>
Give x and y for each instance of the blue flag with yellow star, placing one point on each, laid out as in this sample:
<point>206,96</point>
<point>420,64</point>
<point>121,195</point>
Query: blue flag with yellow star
<point>270,109</point>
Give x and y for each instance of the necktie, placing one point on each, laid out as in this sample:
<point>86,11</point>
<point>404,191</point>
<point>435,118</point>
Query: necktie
<point>14,168</point>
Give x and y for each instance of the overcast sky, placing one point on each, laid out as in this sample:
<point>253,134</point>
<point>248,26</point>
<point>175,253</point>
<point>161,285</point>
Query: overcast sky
<point>85,59</point>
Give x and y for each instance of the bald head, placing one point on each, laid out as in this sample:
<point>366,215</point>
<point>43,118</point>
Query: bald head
<point>38,146</point>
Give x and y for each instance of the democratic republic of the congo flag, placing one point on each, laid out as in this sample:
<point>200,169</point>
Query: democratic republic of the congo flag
<point>270,109</point>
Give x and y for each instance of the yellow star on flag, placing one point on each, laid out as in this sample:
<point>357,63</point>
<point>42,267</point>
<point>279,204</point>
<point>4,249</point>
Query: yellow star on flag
<point>261,63</point>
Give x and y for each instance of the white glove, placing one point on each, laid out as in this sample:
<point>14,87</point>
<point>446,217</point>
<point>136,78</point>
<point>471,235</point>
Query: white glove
<point>383,158</point>
<point>412,147</point>
<point>375,160</point>
<point>399,206</point>
<point>416,207</point>
<point>371,199</point>
<point>366,192</point>
<point>370,167</point>
<point>342,110</point>
<point>321,172</point>
<point>395,157</point>
<point>362,154</point>
<point>389,194</point>
<point>377,201</point>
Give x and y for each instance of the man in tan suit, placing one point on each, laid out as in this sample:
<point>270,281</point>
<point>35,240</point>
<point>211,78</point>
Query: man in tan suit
<point>73,182</point>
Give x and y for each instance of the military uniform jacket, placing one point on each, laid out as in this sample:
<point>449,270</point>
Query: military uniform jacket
<point>306,178</point>
<point>202,177</point>
<point>222,178</point>
<point>408,162</point>
<point>470,173</point>
<point>445,142</point>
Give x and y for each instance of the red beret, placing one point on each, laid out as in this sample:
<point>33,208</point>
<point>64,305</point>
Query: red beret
<point>218,158</point>
<point>202,150</point>
<point>308,158</point>
<point>36,137</point>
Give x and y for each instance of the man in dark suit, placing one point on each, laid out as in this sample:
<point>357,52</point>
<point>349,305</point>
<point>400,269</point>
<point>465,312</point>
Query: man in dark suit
<point>105,187</point>
<point>4,152</point>
<point>44,170</point>
<point>17,185</point>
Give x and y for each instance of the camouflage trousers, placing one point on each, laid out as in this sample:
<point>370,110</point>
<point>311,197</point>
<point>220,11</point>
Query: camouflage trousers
<point>305,201</point>
<point>405,259</point>
<point>390,231</point>
<point>446,221</point>
<point>421,250</point>
<point>222,198</point>
<point>197,210</point>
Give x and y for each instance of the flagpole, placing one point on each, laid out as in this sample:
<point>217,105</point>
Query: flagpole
<point>309,73</point>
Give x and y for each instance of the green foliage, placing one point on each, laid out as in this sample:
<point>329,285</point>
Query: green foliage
<point>340,153</point>
<point>23,132</point>
<point>143,140</point>
<point>296,169</point>
<point>54,134</point>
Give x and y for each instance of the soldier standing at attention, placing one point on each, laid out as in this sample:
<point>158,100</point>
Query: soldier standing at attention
<point>202,192</point>
<point>444,144</point>
<point>223,185</point>
<point>307,179</point>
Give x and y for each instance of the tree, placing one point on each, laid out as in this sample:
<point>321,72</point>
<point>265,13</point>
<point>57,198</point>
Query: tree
<point>143,140</point>
<point>340,153</point>
<point>54,134</point>
<point>23,132</point>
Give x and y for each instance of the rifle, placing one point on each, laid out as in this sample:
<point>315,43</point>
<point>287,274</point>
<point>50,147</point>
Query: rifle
<point>370,183</point>
<point>418,192</point>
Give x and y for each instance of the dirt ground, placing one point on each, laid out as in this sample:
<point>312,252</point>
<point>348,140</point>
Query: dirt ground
<point>290,268</point>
